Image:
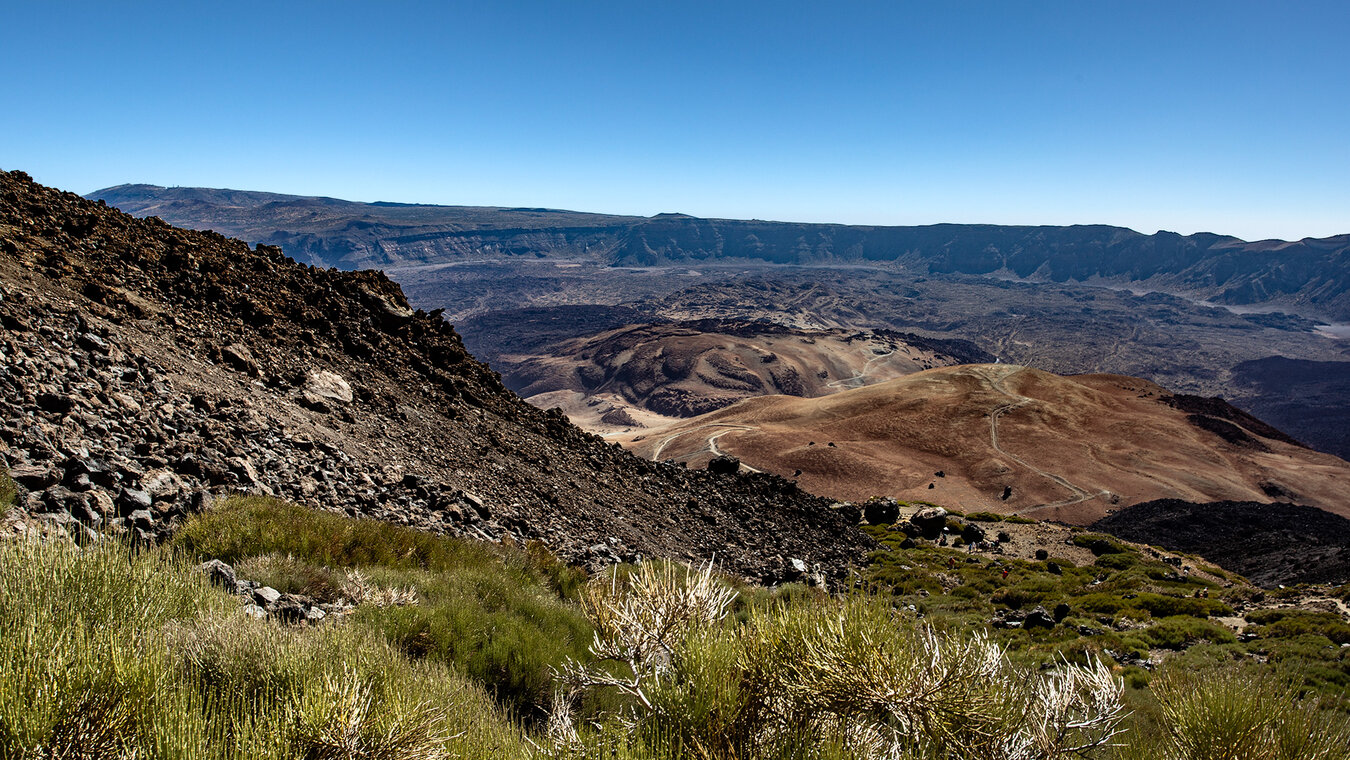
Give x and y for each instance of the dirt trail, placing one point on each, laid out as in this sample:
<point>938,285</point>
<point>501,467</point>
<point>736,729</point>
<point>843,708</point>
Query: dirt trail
<point>996,381</point>
<point>861,373</point>
<point>710,446</point>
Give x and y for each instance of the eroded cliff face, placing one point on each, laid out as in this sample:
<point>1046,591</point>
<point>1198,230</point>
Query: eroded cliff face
<point>149,369</point>
<point>1310,275</point>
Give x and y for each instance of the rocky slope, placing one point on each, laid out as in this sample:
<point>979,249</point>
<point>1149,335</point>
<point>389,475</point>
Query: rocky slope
<point>1012,439</point>
<point>147,369</point>
<point>1310,276</point>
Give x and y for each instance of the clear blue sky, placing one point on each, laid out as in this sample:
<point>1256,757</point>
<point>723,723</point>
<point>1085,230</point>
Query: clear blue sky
<point>1222,116</point>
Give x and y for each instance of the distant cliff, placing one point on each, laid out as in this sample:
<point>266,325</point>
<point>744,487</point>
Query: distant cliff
<point>1310,276</point>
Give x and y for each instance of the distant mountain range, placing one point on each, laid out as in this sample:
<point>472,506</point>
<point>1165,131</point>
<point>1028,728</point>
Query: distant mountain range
<point>1310,277</point>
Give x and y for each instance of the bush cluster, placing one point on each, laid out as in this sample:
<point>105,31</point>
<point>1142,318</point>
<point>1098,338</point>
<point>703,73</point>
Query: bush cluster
<point>112,652</point>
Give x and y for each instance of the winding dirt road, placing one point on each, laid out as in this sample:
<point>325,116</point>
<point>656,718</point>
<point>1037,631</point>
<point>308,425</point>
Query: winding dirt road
<point>1017,401</point>
<point>711,444</point>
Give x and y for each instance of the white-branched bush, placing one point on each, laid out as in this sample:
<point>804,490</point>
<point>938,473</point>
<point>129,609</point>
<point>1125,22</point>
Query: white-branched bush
<point>642,623</point>
<point>850,678</point>
<point>895,688</point>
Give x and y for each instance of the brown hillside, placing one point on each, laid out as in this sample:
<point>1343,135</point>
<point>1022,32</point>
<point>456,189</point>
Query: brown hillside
<point>1068,448</point>
<point>651,374</point>
<point>146,370</point>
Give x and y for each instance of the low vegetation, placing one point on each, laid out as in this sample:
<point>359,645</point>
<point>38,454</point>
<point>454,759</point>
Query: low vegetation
<point>7,491</point>
<point>112,652</point>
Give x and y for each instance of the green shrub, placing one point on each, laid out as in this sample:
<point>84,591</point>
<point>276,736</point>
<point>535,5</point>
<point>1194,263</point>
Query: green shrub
<point>110,652</point>
<point>1181,631</point>
<point>497,614</point>
<point>252,526</point>
<point>985,517</point>
<point>1099,543</point>
<point>1121,561</point>
<point>1292,623</point>
<point>8,494</point>
<point>1244,713</point>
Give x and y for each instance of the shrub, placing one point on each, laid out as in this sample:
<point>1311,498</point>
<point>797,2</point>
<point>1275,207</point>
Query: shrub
<point>844,677</point>
<point>495,613</point>
<point>252,526</point>
<point>986,517</point>
<point>1099,544</point>
<point>111,652</point>
<point>8,493</point>
<point>1244,713</point>
<point>1179,632</point>
<point>1292,623</point>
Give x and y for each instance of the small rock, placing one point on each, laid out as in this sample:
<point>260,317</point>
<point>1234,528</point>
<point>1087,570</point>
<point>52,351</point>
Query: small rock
<point>240,358</point>
<point>219,573</point>
<point>266,596</point>
<point>255,612</point>
<point>91,342</point>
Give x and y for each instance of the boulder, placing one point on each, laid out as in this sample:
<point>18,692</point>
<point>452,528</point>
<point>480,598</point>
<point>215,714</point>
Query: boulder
<point>848,510</point>
<point>56,403</point>
<point>329,386</point>
<point>266,596</point>
<point>36,477</point>
<point>132,500</point>
<point>1038,618</point>
<point>881,511</point>
<point>161,484</point>
<point>930,521</point>
<point>142,519</point>
<point>972,533</point>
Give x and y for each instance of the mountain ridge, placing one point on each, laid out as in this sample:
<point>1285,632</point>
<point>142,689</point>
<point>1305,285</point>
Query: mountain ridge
<point>1311,275</point>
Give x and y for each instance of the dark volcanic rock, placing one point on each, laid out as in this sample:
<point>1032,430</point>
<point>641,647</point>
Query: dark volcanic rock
<point>1270,544</point>
<point>930,521</point>
<point>188,364</point>
<point>881,511</point>
<point>724,465</point>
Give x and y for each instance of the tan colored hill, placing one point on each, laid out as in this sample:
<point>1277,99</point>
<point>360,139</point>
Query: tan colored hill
<point>1012,439</point>
<point>648,375</point>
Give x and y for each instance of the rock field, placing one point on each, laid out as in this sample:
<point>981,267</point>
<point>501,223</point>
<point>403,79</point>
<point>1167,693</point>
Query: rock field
<point>146,371</point>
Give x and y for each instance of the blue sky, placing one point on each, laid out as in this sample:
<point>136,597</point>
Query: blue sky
<point>1230,117</point>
